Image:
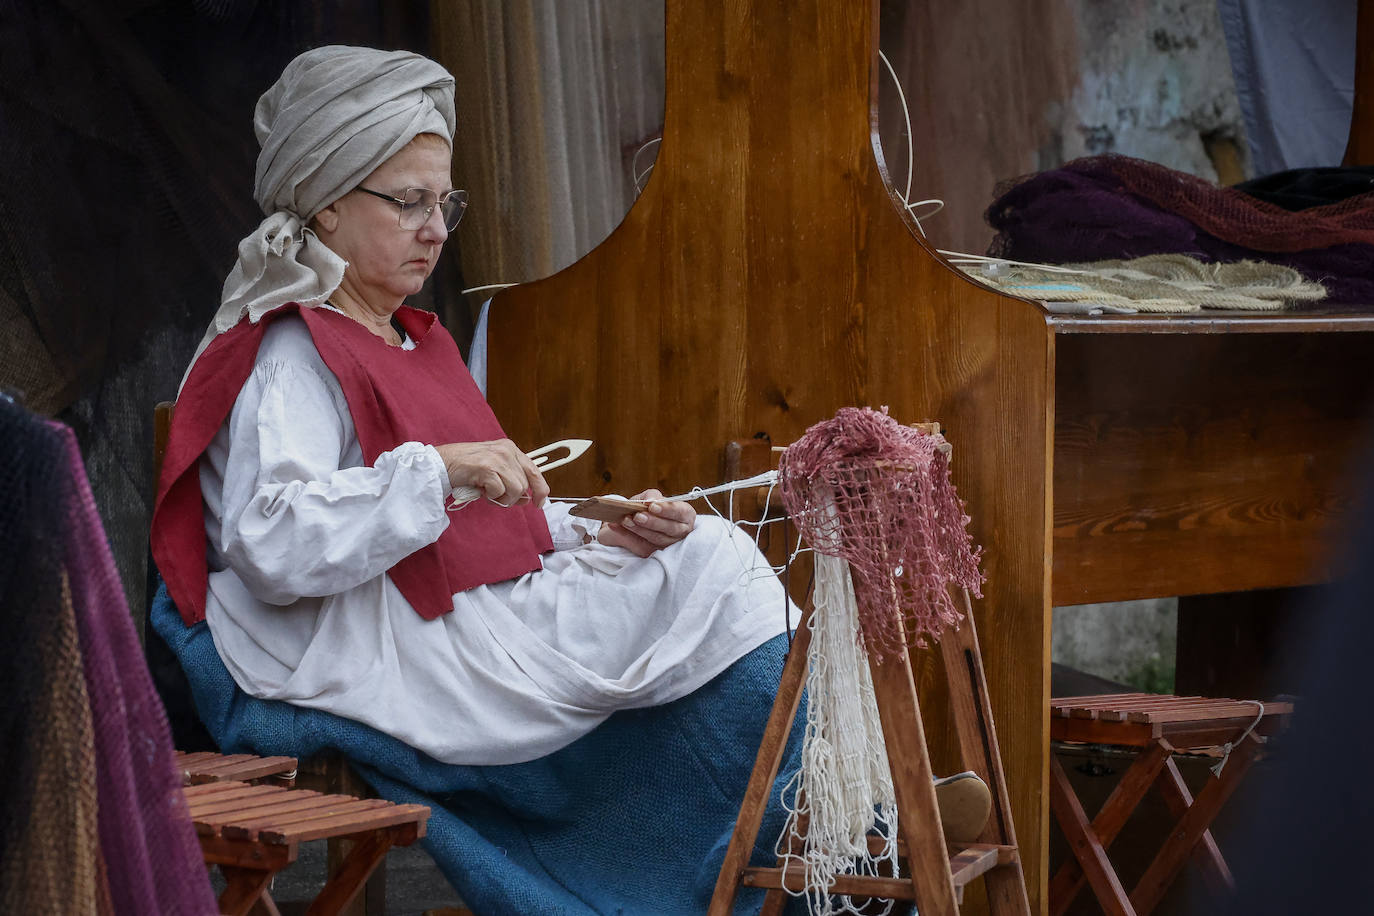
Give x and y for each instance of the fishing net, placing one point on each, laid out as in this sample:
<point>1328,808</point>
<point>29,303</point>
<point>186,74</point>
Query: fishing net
<point>877,494</point>
<point>874,501</point>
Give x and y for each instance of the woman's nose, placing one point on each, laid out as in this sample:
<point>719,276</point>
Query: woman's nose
<point>434,229</point>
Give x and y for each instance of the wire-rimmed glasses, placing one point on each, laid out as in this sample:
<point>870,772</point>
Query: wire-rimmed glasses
<point>418,203</point>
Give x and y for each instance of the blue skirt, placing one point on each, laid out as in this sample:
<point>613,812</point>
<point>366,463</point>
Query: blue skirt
<point>632,819</point>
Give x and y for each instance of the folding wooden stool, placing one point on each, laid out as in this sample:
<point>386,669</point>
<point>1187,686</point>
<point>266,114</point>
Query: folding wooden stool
<point>200,767</point>
<point>253,831</point>
<point>1160,726</point>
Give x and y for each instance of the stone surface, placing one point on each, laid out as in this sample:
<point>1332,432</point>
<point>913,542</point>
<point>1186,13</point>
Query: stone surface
<point>1132,642</point>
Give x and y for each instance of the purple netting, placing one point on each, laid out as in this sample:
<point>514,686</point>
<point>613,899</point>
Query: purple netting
<point>152,857</point>
<point>1115,207</point>
<point>877,494</point>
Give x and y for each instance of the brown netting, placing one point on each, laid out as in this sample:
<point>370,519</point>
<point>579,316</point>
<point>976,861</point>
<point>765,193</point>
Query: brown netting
<point>878,495</point>
<point>1235,216</point>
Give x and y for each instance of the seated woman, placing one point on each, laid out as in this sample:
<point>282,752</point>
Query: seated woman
<point>579,704</point>
<point>469,659</point>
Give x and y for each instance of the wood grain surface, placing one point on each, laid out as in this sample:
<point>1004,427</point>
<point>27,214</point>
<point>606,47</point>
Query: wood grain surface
<point>765,279</point>
<point>1189,464</point>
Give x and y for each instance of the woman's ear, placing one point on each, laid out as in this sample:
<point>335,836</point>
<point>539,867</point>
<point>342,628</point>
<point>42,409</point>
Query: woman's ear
<point>327,219</point>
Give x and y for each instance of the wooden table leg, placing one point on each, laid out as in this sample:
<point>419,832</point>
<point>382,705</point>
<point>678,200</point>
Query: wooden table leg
<point>243,888</point>
<point>1190,829</point>
<point>1207,854</point>
<point>1135,782</point>
<point>1086,845</point>
<point>343,885</point>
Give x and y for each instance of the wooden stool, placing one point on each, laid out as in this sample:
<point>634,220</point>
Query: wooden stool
<point>200,767</point>
<point>253,831</point>
<point>1159,726</point>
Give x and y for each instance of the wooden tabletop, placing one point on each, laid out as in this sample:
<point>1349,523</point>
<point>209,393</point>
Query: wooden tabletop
<point>1301,321</point>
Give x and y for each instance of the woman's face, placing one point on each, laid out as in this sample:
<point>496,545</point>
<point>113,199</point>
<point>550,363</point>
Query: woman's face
<point>385,262</point>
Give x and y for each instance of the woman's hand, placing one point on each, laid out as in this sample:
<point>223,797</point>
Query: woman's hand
<point>663,524</point>
<point>503,473</point>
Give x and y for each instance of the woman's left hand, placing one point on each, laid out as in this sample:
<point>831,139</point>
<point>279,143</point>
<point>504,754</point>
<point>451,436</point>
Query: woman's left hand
<point>664,523</point>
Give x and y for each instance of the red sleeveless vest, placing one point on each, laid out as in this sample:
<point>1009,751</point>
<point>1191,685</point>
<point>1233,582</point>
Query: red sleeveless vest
<point>394,396</point>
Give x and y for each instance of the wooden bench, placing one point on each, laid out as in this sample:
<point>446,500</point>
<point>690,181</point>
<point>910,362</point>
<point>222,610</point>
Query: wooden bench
<point>1232,730</point>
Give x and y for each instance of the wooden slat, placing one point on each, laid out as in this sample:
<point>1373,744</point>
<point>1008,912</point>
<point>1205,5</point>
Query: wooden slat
<point>1062,706</point>
<point>321,807</point>
<point>263,808</point>
<point>795,881</point>
<point>205,766</point>
<point>230,791</point>
<point>972,861</point>
<point>388,816</point>
<point>218,807</point>
<point>207,789</point>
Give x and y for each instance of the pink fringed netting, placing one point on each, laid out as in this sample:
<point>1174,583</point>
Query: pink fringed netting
<point>878,495</point>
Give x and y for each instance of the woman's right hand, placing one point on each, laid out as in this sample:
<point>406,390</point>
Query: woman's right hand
<point>504,474</point>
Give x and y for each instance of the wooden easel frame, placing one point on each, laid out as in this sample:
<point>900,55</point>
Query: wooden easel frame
<point>936,872</point>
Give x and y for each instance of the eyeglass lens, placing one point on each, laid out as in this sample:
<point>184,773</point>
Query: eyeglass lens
<point>419,203</point>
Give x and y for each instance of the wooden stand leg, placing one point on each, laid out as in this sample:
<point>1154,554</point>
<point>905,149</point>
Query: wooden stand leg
<point>932,871</point>
<point>765,771</point>
<point>913,785</point>
<point>971,711</point>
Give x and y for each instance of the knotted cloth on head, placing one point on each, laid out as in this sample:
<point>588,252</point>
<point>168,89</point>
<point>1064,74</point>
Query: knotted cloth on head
<point>334,116</point>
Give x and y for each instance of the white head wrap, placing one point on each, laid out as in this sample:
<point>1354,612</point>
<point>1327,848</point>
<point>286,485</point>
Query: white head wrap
<point>334,116</point>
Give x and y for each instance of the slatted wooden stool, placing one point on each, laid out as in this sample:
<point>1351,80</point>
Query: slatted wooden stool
<point>1160,726</point>
<point>254,831</point>
<point>200,767</point>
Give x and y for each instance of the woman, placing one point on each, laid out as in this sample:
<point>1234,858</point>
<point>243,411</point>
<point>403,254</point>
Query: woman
<point>302,531</point>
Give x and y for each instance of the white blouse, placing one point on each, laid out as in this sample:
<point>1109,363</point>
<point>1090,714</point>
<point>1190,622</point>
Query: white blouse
<point>301,534</point>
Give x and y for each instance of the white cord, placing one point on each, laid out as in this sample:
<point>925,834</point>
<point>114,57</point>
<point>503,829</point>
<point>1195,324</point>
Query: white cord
<point>478,289</point>
<point>934,203</point>
<point>634,164</point>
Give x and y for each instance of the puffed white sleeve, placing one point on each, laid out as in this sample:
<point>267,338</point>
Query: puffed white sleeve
<point>568,531</point>
<point>296,523</point>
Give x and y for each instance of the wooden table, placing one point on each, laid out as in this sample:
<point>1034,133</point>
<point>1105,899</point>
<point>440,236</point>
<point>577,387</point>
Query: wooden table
<point>767,276</point>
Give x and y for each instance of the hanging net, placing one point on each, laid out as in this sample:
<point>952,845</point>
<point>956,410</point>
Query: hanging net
<point>877,494</point>
<point>874,500</point>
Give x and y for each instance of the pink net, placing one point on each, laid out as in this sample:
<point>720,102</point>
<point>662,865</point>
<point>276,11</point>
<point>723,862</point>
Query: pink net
<point>877,494</point>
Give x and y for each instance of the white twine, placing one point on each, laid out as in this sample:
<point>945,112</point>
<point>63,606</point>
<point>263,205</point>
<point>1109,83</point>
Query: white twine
<point>843,791</point>
<point>1229,746</point>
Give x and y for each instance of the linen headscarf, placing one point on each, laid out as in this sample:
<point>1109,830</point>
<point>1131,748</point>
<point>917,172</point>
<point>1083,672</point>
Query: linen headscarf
<point>335,115</point>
